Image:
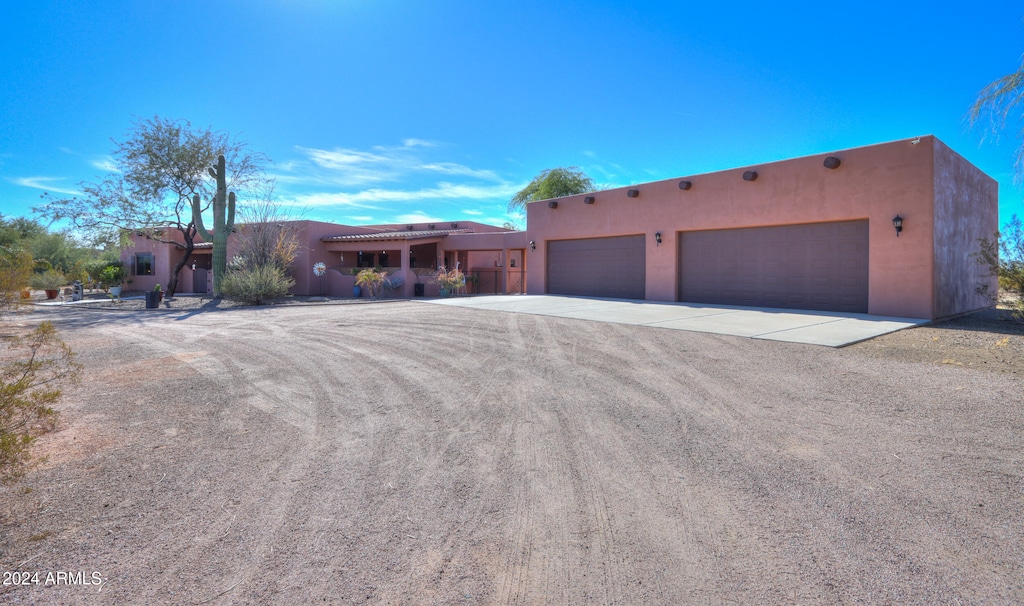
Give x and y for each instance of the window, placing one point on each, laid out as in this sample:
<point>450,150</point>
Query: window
<point>143,264</point>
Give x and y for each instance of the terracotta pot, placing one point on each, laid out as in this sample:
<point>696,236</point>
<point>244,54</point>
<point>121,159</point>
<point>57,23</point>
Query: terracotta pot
<point>52,294</point>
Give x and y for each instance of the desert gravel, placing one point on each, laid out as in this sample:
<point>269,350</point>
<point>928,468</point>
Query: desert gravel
<point>402,453</point>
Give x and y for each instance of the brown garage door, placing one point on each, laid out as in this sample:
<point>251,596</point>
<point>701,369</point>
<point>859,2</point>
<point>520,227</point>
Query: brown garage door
<point>598,267</point>
<point>821,266</point>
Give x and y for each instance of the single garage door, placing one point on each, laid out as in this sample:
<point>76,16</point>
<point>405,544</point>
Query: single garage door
<point>598,267</point>
<point>821,266</point>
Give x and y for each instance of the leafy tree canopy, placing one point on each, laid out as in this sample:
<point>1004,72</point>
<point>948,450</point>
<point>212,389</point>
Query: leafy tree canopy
<point>552,183</point>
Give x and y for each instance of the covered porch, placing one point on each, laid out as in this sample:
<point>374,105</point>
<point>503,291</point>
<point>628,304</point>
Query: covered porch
<point>494,263</point>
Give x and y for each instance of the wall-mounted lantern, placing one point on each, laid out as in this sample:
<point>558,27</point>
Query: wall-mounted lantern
<point>633,193</point>
<point>897,222</point>
<point>455,225</point>
<point>588,200</point>
<point>533,245</point>
<point>831,162</point>
<point>685,185</point>
<point>553,204</point>
<point>657,238</point>
<point>750,175</point>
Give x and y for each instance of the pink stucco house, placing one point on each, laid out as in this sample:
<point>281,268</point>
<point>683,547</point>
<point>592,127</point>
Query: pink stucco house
<point>809,233</point>
<point>886,229</point>
<point>492,255</point>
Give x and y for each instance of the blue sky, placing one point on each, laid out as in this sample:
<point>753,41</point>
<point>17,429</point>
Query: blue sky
<point>380,111</point>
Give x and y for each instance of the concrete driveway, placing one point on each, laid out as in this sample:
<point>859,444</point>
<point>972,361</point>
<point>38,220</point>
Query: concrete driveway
<point>833,329</point>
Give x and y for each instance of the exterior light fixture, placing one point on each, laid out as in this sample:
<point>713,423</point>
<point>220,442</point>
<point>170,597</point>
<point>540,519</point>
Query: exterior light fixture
<point>588,200</point>
<point>410,227</point>
<point>897,222</point>
<point>657,238</point>
<point>684,185</point>
<point>750,175</point>
<point>553,204</point>
<point>533,245</point>
<point>831,162</point>
<point>633,193</point>
<point>455,225</point>
<point>430,226</point>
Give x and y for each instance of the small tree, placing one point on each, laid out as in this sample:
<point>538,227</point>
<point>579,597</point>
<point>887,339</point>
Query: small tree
<point>552,183</point>
<point>267,235</point>
<point>267,243</point>
<point>15,271</point>
<point>33,372</point>
<point>1003,256</point>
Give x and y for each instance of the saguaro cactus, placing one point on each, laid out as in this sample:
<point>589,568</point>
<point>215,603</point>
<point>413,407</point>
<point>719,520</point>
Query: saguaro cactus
<point>223,222</point>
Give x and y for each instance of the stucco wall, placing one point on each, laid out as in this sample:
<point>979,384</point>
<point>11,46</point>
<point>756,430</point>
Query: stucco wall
<point>874,183</point>
<point>966,209</point>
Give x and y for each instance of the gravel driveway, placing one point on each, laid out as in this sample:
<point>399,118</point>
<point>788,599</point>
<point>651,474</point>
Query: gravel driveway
<point>403,453</point>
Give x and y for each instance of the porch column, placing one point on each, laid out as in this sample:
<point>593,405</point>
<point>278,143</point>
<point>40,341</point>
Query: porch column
<point>407,284</point>
<point>505,260</point>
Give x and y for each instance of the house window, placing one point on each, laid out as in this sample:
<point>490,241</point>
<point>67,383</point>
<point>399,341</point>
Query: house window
<point>143,264</point>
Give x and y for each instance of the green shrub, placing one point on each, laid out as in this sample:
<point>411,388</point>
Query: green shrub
<point>49,280</point>
<point>1003,256</point>
<point>254,285</point>
<point>32,372</point>
<point>113,275</point>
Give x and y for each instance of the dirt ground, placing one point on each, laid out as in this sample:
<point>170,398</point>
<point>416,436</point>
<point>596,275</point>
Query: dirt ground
<point>402,453</point>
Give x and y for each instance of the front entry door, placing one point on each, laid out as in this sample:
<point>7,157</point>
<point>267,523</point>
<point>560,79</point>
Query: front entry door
<point>199,280</point>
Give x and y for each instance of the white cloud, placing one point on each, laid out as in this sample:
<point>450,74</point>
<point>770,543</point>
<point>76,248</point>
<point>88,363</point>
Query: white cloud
<point>443,191</point>
<point>105,163</point>
<point>472,213</point>
<point>450,168</point>
<point>45,184</point>
<point>417,143</point>
<point>418,217</point>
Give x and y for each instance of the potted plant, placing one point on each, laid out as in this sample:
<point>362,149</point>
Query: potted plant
<point>356,289</point>
<point>51,281</point>
<point>449,280</point>
<point>372,279</point>
<point>159,293</point>
<point>114,277</point>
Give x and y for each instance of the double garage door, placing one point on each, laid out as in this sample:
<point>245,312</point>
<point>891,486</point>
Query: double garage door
<point>821,266</point>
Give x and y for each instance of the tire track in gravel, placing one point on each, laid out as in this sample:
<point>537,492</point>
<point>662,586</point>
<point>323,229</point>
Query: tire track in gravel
<point>396,454</point>
<point>280,394</point>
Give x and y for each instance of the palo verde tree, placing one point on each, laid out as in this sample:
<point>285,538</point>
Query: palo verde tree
<point>1001,101</point>
<point>160,166</point>
<point>551,183</point>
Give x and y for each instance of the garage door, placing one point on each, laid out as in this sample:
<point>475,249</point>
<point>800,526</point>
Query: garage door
<point>821,266</point>
<point>598,267</point>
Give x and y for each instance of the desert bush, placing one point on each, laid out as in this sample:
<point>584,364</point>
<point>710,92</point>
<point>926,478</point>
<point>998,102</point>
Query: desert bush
<point>372,279</point>
<point>15,270</point>
<point>49,280</point>
<point>1003,256</point>
<point>255,284</point>
<point>33,370</point>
